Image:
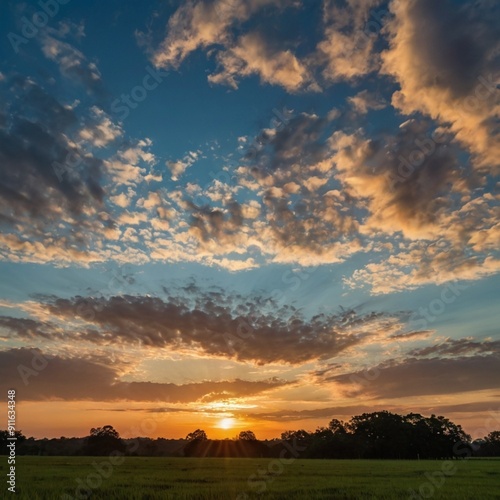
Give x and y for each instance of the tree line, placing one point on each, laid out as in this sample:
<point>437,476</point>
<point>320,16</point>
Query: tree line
<point>381,435</point>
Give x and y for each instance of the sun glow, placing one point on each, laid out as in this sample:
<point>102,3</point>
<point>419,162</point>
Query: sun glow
<point>226,423</point>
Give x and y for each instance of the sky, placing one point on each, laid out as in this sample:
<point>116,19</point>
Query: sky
<point>248,214</point>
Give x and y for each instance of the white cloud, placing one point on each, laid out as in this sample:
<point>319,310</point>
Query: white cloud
<point>177,168</point>
<point>103,132</point>
<point>252,55</point>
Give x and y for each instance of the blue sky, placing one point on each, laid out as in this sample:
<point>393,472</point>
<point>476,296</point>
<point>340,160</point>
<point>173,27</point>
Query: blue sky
<point>246,205</point>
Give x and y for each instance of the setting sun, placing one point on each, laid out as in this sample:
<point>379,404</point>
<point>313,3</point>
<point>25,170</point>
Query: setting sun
<point>226,423</point>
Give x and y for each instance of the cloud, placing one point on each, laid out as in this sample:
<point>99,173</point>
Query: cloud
<point>68,29</point>
<point>254,329</point>
<point>252,54</point>
<point>102,131</point>
<point>420,264</point>
<point>411,336</point>
<point>363,101</point>
<point>70,378</point>
<point>459,347</point>
<point>446,60</point>
<point>44,178</point>
<point>73,64</point>
<point>177,168</point>
<point>26,328</point>
<point>406,183</point>
<point>53,188</point>
<point>200,24</point>
<point>419,377</point>
<point>348,49</point>
<point>325,413</point>
<point>122,200</point>
<point>304,218</point>
<point>212,225</point>
<point>351,410</point>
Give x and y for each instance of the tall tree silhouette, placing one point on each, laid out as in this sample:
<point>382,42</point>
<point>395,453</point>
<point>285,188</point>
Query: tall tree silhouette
<point>247,436</point>
<point>103,441</point>
<point>197,435</point>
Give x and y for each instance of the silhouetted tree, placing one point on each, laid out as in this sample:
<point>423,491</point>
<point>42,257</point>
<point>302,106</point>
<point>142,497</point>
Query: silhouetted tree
<point>444,436</point>
<point>379,434</point>
<point>247,436</point>
<point>369,435</point>
<point>103,441</point>
<point>300,438</point>
<point>337,426</point>
<point>490,447</point>
<point>197,435</point>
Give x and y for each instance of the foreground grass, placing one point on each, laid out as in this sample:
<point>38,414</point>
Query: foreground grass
<point>50,478</point>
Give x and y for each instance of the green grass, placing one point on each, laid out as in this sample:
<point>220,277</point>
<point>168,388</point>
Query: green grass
<point>48,478</point>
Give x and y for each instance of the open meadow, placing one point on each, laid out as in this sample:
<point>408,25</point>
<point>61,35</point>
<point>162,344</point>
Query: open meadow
<point>51,478</point>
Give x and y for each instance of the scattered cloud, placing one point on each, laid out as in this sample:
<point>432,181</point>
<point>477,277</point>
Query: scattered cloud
<point>347,50</point>
<point>73,64</point>
<point>251,54</point>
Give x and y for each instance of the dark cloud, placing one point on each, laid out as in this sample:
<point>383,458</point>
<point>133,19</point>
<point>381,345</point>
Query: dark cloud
<point>27,328</point>
<point>349,411</point>
<point>406,178</point>
<point>459,347</point>
<point>73,64</point>
<point>412,335</point>
<point>213,327</point>
<point>212,323</point>
<point>52,377</point>
<point>454,46</point>
<point>299,141</point>
<point>210,223</point>
<point>326,413</point>
<point>38,185</point>
<point>419,377</point>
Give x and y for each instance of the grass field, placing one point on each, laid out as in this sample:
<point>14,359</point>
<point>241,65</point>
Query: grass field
<point>220,479</point>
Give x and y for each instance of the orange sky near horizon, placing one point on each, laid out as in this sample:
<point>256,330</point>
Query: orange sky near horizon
<point>75,419</point>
